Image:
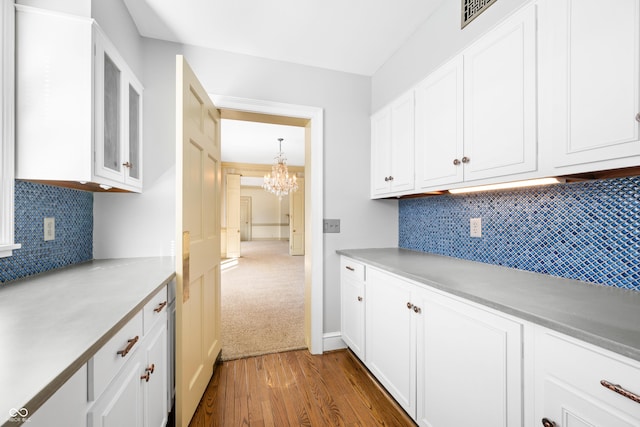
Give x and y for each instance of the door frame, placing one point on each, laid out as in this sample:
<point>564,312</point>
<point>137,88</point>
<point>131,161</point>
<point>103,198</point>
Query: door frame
<point>313,269</point>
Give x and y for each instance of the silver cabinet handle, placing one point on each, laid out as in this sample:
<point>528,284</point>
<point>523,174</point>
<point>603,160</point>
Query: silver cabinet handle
<point>547,423</point>
<point>465,159</point>
<point>456,162</point>
<point>390,178</point>
<point>620,390</point>
<point>638,117</point>
<point>409,305</point>
<point>350,268</point>
<point>417,309</point>
<point>360,299</point>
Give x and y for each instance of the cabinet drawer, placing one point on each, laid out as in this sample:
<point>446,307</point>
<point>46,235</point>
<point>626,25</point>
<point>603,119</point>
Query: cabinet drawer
<point>582,366</point>
<point>108,361</point>
<point>351,268</point>
<point>155,310</point>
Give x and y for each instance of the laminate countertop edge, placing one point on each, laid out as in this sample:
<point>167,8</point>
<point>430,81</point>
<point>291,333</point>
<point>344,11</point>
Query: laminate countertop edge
<point>602,315</point>
<point>94,280</point>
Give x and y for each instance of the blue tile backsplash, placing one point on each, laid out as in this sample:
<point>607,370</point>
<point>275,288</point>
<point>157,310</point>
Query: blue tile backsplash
<point>587,231</point>
<point>73,213</point>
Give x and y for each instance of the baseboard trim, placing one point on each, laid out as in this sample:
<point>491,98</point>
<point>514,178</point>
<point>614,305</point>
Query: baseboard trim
<point>332,341</point>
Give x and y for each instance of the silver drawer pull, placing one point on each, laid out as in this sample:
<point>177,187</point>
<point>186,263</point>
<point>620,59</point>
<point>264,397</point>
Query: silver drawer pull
<point>618,389</point>
<point>350,268</point>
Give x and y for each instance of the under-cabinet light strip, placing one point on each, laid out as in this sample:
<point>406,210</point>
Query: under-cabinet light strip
<point>507,185</point>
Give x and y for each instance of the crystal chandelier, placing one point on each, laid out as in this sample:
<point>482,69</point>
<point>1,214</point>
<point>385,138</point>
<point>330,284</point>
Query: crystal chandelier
<point>278,181</point>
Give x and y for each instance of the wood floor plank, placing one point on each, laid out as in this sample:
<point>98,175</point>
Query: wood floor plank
<point>297,389</point>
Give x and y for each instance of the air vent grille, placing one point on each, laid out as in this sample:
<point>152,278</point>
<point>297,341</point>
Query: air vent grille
<point>472,8</point>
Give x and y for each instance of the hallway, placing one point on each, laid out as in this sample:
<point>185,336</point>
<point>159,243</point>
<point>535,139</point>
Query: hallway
<point>262,300</point>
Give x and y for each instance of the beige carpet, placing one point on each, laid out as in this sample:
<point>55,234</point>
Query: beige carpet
<point>262,301</point>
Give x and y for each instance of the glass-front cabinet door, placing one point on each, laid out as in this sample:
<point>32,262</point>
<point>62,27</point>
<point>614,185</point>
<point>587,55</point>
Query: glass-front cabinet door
<point>118,120</point>
<point>111,146</point>
<point>133,162</point>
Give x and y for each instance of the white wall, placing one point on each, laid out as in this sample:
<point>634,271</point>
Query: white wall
<point>143,225</point>
<point>437,40</point>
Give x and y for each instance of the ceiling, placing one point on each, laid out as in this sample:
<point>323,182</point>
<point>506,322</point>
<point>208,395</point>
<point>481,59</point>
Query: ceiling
<point>355,36</point>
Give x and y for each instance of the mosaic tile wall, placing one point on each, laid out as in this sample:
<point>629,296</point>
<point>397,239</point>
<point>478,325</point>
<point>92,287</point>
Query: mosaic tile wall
<point>73,213</point>
<point>587,231</point>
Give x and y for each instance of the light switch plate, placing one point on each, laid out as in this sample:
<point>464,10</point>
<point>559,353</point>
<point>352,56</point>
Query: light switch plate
<point>49,228</point>
<point>331,226</point>
<point>475,226</point>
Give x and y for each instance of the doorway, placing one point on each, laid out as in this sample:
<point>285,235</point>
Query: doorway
<point>314,247</point>
<point>263,290</point>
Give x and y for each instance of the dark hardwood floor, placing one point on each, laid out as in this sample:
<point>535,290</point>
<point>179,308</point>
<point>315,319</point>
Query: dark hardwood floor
<point>297,388</point>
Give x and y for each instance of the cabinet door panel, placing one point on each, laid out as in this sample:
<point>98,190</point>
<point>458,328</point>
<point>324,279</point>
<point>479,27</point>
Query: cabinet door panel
<point>155,397</point>
<point>595,86</point>
<point>135,131</point>
<point>380,149</point>
<point>402,139</point>
<point>121,403</point>
<point>500,100</point>
<point>390,336</point>
<point>569,407</point>
<point>468,357</point>
<point>112,110</point>
<point>352,295</point>
<point>439,137</point>
<point>568,382</point>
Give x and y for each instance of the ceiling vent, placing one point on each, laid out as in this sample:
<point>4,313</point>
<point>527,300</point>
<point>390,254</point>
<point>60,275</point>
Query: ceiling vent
<point>472,8</point>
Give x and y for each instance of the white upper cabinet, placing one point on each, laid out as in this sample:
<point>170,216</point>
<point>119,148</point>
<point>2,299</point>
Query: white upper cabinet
<point>500,121</point>
<point>118,107</point>
<point>392,142</point>
<point>591,55</point>
<point>439,133</point>
<point>476,116</point>
<point>78,105</point>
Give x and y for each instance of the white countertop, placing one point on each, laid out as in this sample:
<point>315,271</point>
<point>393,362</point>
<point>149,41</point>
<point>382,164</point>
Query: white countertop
<point>53,323</point>
<point>605,316</point>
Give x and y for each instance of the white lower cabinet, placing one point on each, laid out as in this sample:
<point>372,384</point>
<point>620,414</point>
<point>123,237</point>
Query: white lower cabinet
<point>155,373</point>
<point>467,358</point>
<point>451,362</point>
<point>391,335</point>
<point>72,396</point>
<point>125,383</point>
<point>434,353</point>
<point>121,404</point>
<point>137,394</point>
<point>352,297</point>
<point>580,385</point>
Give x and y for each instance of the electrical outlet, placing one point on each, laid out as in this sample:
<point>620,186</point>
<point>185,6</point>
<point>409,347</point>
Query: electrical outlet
<point>49,229</point>
<point>475,227</point>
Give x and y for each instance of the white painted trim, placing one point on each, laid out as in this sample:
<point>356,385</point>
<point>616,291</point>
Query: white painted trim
<point>333,341</point>
<point>7,117</point>
<point>316,115</point>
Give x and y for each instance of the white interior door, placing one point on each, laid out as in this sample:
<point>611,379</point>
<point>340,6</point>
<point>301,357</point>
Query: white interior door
<point>296,224</point>
<point>245,218</point>
<point>198,176</point>
<point>233,216</point>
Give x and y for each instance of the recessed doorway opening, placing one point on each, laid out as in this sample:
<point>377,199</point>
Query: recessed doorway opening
<point>263,268</point>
